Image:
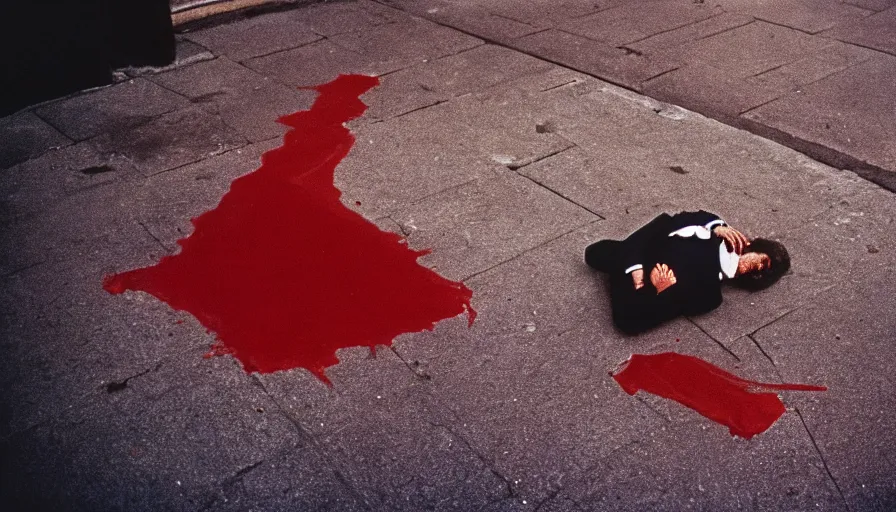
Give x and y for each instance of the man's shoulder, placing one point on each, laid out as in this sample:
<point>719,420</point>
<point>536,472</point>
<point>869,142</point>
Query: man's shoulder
<point>693,213</point>
<point>693,218</point>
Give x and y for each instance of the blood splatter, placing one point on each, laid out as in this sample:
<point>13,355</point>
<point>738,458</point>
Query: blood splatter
<point>283,272</point>
<point>744,406</point>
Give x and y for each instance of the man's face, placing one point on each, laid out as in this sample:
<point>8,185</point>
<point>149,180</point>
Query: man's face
<point>753,262</point>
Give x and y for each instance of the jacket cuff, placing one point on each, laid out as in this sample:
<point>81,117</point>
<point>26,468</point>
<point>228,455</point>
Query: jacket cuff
<point>717,222</point>
<point>632,268</point>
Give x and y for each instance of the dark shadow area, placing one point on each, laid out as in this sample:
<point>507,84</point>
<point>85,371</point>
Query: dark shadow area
<point>58,48</point>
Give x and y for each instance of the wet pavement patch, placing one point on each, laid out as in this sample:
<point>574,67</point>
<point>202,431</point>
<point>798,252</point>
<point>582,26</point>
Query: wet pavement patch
<point>746,407</point>
<point>283,272</point>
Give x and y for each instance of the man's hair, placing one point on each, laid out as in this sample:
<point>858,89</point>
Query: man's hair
<point>761,279</point>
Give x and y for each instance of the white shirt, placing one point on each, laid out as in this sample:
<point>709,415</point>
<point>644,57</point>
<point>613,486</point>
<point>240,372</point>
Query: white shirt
<point>728,260</point>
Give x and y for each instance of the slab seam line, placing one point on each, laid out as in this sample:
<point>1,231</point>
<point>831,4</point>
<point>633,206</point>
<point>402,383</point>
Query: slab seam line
<point>821,456</point>
<point>666,31</point>
<point>537,246</point>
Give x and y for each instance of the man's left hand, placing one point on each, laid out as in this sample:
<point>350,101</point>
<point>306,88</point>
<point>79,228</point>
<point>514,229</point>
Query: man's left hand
<point>662,277</point>
<point>734,239</point>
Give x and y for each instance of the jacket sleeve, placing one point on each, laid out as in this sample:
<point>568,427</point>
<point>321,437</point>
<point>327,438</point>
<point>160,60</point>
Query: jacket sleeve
<point>635,311</point>
<point>705,295</point>
<point>633,254</point>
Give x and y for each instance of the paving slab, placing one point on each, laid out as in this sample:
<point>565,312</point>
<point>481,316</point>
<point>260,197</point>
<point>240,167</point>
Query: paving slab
<point>546,13</point>
<point>852,111</point>
<point>711,26</point>
<point>556,77</point>
<point>472,18</point>
<point>873,5</point>
<point>854,233</point>
<point>877,31</point>
<point>679,156</point>
<point>148,437</point>
<point>416,164</point>
<point>516,388</point>
<point>172,140</point>
<point>539,14</point>
<point>294,480</point>
<point>504,311</point>
<point>634,21</point>
<point>41,183</point>
<point>26,136</point>
<point>314,64</point>
<point>852,423</point>
<point>480,224</point>
<point>442,79</point>
<point>401,93</point>
<point>472,70</point>
<point>721,95</point>
<point>55,292</point>
<point>791,77</point>
<point>405,43</point>
<point>245,100</point>
<point>853,238</point>
<point>167,202</point>
<point>498,126</point>
<point>810,16</point>
<point>747,50</point>
<point>208,80</point>
<point>44,237</point>
<point>475,133</point>
<point>257,36</point>
<point>739,480</point>
<point>108,109</point>
<point>712,76</point>
<point>418,463</point>
<point>336,18</point>
<point>596,58</point>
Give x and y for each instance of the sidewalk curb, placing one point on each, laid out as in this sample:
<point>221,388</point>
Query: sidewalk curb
<point>824,154</point>
<point>205,15</point>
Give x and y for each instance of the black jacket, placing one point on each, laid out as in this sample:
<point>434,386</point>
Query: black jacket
<point>694,259</point>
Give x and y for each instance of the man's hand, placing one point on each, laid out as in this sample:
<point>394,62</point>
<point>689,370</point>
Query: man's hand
<point>638,278</point>
<point>662,277</point>
<point>734,239</point>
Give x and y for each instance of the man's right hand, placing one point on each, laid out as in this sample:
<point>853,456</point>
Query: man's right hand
<point>662,277</point>
<point>734,239</point>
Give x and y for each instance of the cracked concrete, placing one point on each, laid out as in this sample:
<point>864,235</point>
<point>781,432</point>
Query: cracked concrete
<point>821,456</point>
<point>495,143</point>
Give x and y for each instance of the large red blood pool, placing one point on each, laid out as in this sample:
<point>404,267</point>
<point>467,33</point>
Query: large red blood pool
<point>744,406</point>
<point>283,273</point>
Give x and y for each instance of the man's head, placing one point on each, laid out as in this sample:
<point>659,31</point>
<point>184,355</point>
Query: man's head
<point>762,264</point>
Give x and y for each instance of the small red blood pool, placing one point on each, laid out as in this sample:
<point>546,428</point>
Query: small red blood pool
<point>283,273</point>
<point>746,407</point>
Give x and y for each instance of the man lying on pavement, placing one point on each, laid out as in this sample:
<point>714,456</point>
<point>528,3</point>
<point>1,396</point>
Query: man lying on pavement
<point>687,256</point>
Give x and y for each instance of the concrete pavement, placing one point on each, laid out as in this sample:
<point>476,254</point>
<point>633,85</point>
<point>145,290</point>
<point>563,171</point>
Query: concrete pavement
<point>814,75</point>
<point>506,163</point>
